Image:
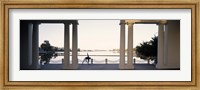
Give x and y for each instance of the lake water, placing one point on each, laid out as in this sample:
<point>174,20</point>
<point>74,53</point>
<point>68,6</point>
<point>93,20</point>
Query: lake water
<point>98,58</point>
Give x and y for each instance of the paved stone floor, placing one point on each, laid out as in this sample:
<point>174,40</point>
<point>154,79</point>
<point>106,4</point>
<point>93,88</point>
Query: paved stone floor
<point>99,67</point>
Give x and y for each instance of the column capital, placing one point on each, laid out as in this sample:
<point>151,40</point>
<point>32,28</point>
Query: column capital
<point>122,22</point>
<point>130,23</point>
<point>36,23</point>
<point>75,22</point>
<point>162,22</point>
<point>66,23</point>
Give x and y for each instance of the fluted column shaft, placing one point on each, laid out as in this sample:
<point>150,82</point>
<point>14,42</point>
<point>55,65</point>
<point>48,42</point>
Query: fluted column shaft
<point>165,44</point>
<point>75,45</point>
<point>160,55</point>
<point>30,37</point>
<point>130,45</point>
<point>66,61</point>
<point>35,48</point>
<point>122,44</point>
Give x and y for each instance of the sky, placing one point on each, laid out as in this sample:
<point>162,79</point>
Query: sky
<point>96,34</point>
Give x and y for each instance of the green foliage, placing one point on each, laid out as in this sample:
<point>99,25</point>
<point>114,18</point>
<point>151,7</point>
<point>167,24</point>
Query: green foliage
<point>49,52</point>
<point>148,50</point>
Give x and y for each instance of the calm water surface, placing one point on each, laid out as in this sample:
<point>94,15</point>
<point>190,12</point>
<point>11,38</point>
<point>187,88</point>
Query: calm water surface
<point>97,56</point>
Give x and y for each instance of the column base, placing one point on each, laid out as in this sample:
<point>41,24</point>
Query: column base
<point>70,67</point>
<point>35,67</point>
<point>38,67</point>
<point>130,66</point>
<point>167,67</point>
<point>127,67</point>
<point>121,66</point>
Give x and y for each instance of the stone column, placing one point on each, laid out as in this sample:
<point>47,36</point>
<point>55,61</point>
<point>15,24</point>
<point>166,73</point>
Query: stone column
<point>130,46</point>
<point>75,45</point>
<point>172,60</point>
<point>122,44</point>
<point>165,44</point>
<point>30,35</point>
<point>35,48</point>
<point>66,61</point>
<point>160,55</point>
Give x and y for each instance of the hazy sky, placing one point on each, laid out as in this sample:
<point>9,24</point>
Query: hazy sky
<point>96,34</point>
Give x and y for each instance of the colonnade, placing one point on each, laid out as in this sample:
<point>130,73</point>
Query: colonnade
<point>29,47</point>
<point>168,54</point>
<point>168,43</point>
<point>66,62</point>
<point>123,64</point>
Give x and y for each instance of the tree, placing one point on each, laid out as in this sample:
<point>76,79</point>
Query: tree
<point>148,50</point>
<point>49,52</point>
